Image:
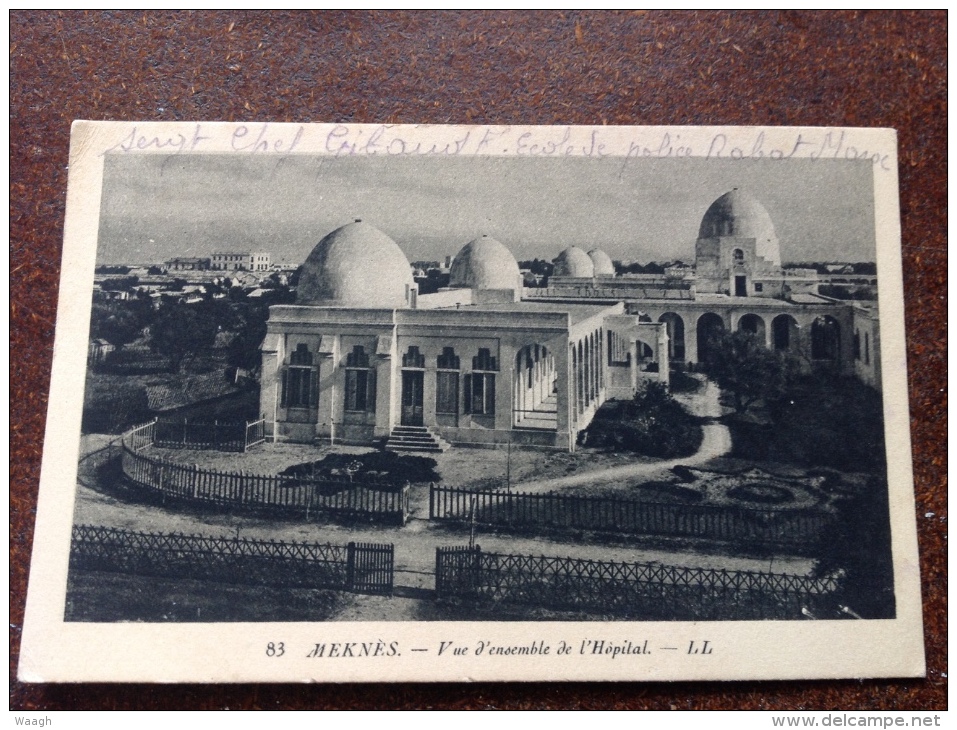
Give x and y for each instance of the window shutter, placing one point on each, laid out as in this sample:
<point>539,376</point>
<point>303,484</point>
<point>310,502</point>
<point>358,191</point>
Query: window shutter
<point>314,387</point>
<point>370,398</point>
<point>468,394</point>
<point>285,378</point>
<point>490,394</point>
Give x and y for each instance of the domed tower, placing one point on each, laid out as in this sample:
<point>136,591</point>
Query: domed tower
<point>736,245</point>
<point>575,263</point>
<point>602,262</point>
<point>484,263</point>
<point>356,265</point>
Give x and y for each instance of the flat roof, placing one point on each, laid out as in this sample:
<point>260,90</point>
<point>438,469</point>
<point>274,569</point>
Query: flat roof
<point>578,312</point>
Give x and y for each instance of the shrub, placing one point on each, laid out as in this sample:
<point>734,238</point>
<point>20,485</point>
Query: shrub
<point>683,473</point>
<point>826,422</point>
<point>671,491</point>
<point>376,467</point>
<point>761,493</point>
<point>115,414</point>
<point>652,423</point>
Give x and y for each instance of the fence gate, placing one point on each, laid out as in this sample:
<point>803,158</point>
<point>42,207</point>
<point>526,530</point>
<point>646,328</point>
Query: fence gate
<point>371,568</point>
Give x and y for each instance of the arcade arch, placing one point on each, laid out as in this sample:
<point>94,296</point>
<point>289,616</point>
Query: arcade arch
<point>709,326</point>
<point>675,326</point>
<point>534,397</point>
<point>754,325</point>
<point>784,332</point>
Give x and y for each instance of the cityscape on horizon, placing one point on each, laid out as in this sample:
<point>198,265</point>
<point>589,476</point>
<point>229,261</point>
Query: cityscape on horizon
<point>155,208</point>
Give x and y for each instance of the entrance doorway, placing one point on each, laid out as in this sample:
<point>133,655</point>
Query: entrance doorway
<point>412,387</point>
<point>741,286</point>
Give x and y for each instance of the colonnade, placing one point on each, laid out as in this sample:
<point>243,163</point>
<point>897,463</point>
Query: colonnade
<point>588,372</point>
<point>534,403</point>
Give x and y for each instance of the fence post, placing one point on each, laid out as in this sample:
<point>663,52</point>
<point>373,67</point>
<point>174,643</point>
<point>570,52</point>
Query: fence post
<point>351,566</point>
<point>475,569</point>
<point>439,575</point>
<point>216,432</point>
<point>184,432</point>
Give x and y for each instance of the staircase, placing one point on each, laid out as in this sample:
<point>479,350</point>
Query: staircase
<point>415,438</point>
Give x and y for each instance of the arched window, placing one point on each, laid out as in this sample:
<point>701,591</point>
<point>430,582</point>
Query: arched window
<point>447,382</point>
<point>300,380</point>
<point>480,384</point>
<point>360,381</point>
<point>738,255</point>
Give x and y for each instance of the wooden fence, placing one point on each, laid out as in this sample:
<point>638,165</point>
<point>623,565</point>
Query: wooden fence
<point>645,591</point>
<point>795,529</point>
<point>220,436</point>
<point>278,493</point>
<point>356,567</point>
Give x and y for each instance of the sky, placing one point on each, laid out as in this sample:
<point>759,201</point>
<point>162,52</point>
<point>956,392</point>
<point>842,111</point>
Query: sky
<point>155,207</point>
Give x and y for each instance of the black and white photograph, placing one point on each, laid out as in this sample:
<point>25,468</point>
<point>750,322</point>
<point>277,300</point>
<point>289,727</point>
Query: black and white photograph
<point>594,402</point>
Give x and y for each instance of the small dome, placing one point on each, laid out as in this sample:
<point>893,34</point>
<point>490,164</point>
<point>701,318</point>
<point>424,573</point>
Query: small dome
<point>574,262</point>
<point>484,264</point>
<point>738,214</point>
<point>356,265</point>
<point>602,261</point>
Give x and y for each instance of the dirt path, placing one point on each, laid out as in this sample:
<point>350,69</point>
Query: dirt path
<point>415,543</point>
<point>716,442</point>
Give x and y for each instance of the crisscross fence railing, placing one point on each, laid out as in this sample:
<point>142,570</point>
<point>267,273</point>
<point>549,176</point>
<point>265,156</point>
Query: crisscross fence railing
<point>284,494</point>
<point>799,530</point>
<point>357,567</point>
<point>635,590</point>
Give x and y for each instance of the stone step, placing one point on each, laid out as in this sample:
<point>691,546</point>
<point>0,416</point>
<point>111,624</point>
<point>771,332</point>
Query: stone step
<point>415,438</point>
<point>433,448</point>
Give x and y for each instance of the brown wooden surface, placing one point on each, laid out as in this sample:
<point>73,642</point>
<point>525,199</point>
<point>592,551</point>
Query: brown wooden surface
<point>884,69</point>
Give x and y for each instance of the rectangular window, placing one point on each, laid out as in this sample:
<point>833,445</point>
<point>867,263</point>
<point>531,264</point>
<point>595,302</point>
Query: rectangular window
<point>447,392</point>
<point>480,393</point>
<point>360,390</point>
<point>300,388</point>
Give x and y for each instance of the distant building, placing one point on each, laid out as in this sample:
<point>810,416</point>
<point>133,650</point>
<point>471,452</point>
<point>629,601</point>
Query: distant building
<point>240,261</point>
<point>188,263</point>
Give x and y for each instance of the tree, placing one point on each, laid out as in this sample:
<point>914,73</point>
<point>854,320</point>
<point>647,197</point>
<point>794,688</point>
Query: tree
<point>740,364</point>
<point>243,351</point>
<point>116,322</point>
<point>124,283</point>
<point>181,332</point>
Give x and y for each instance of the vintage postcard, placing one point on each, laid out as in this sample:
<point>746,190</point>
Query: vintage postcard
<point>348,402</point>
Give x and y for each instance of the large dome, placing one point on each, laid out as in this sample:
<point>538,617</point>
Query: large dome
<point>602,261</point>
<point>738,214</point>
<point>356,265</point>
<point>484,264</point>
<point>574,262</point>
